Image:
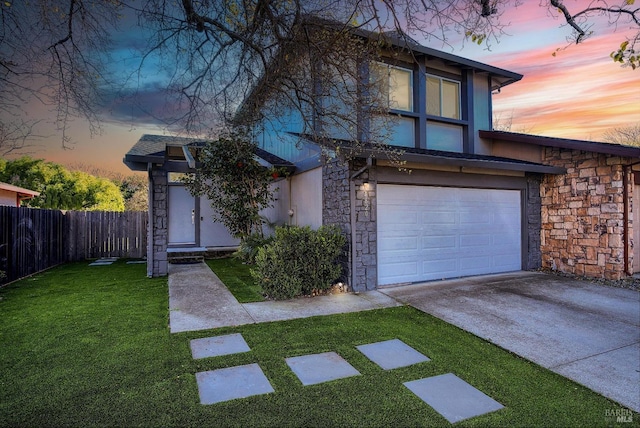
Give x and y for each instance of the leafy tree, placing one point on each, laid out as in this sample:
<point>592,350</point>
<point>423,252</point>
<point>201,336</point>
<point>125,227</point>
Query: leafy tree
<point>237,185</point>
<point>60,188</point>
<point>134,187</point>
<point>213,52</point>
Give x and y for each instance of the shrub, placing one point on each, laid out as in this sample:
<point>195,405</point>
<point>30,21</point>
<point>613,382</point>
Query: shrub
<point>299,261</point>
<point>249,246</point>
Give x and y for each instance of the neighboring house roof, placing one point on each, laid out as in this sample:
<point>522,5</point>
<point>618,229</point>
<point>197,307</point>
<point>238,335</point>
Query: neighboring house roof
<point>563,143</point>
<point>13,195</point>
<point>153,149</point>
<point>21,191</point>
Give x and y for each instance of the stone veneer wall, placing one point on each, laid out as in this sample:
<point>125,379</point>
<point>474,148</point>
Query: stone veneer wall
<point>583,214</point>
<point>336,209</point>
<point>336,206</point>
<point>159,224</point>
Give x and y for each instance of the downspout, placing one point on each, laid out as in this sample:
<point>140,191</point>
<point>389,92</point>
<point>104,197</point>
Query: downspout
<point>625,217</point>
<point>150,222</point>
<point>352,200</point>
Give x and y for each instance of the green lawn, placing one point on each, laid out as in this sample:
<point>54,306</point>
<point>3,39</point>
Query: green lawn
<point>87,346</point>
<point>237,277</point>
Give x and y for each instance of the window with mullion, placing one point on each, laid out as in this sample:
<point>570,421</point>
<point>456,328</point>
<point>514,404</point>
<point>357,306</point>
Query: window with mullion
<point>443,97</point>
<point>395,85</point>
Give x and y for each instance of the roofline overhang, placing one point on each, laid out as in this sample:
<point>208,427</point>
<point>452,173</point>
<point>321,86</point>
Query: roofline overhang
<point>141,163</point>
<point>429,159</point>
<point>563,143</point>
<point>451,59</point>
<point>20,191</point>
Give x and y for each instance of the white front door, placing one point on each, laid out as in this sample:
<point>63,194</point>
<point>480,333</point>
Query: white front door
<point>182,227</point>
<point>427,233</point>
<point>213,234</point>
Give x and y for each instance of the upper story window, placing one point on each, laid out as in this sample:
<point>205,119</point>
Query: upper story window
<point>443,97</point>
<point>396,85</point>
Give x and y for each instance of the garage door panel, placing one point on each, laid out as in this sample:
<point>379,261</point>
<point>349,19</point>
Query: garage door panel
<point>475,218</point>
<point>399,244</point>
<point>400,272</point>
<point>439,241</point>
<point>439,269</point>
<point>475,240</point>
<point>399,216</point>
<point>506,261</point>
<point>460,232</point>
<point>436,217</point>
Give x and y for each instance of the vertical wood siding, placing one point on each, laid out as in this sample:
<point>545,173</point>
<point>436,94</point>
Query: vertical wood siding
<point>32,240</point>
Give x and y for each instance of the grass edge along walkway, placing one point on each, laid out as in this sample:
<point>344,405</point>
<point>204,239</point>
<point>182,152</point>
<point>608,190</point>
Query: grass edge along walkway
<point>90,346</point>
<point>236,276</point>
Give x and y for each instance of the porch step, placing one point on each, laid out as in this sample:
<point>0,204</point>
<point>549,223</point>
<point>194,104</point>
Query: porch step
<point>177,260</point>
<point>186,255</point>
<point>197,254</point>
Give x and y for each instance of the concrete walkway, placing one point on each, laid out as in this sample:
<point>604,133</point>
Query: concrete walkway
<point>198,300</point>
<point>583,331</point>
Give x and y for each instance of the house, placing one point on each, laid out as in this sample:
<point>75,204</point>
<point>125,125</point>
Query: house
<point>466,200</point>
<point>13,195</point>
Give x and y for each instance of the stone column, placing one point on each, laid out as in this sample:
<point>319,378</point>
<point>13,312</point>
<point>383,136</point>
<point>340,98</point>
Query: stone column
<point>159,224</point>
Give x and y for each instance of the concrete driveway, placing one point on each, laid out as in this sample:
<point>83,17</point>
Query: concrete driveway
<point>586,332</point>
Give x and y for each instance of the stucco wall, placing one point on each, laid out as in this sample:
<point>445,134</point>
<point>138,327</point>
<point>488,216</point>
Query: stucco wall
<point>306,198</point>
<point>583,227</point>
<point>8,198</point>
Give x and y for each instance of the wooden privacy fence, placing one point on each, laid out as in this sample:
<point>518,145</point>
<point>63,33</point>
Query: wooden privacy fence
<point>32,240</point>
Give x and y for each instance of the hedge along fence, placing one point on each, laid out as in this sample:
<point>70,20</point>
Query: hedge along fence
<point>32,240</point>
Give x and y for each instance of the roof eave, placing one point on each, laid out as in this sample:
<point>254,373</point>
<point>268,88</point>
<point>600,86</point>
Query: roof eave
<point>563,143</point>
<point>474,163</point>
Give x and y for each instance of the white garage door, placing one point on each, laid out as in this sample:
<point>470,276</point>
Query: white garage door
<point>427,233</point>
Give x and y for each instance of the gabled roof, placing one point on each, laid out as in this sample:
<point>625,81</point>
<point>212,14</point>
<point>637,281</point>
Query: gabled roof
<point>394,40</point>
<point>152,149</point>
<point>563,143</point>
<point>399,40</point>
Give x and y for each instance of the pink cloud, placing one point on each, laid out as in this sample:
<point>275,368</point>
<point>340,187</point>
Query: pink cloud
<point>579,93</point>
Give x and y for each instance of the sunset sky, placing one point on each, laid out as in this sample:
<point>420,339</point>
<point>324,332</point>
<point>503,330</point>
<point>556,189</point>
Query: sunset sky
<point>579,93</point>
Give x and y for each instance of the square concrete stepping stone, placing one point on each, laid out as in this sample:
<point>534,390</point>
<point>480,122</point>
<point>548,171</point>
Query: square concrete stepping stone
<point>101,263</point>
<point>319,368</point>
<point>227,384</point>
<point>392,354</point>
<point>218,345</point>
<point>452,397</point>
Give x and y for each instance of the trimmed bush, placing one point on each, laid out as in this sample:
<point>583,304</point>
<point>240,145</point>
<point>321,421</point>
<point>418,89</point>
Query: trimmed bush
<point>249,246</point>
<point>299,261</point>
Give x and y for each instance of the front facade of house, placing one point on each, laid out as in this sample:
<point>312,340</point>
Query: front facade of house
<point>466,200</point>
